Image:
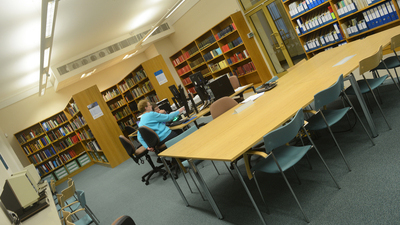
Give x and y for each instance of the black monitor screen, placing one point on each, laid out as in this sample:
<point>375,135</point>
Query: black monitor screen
<point>221,87</point>
<point>184,101</point>
<point>200,86</point>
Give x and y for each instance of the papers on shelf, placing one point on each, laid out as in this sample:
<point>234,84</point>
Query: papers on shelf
<point>252,98</point>
<point>344,60</point>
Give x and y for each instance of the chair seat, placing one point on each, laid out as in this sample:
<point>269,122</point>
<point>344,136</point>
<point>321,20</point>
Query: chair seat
<point>374,83</point>
<point>85,220</point>
<point>287,156</point>
<point>316,122</point>
<point>391,62</point>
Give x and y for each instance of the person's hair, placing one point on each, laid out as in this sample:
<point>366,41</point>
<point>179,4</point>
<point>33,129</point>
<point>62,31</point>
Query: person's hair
<point>142,105</point>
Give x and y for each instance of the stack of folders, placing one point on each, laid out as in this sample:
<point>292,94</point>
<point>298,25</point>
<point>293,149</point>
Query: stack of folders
<point>315,20</point>
<point>324,37</point>
<point>297,8</point>
<point>346,7</point>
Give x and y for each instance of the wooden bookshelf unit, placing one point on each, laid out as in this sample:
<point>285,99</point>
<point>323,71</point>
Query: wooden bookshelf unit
<point>224,49</point>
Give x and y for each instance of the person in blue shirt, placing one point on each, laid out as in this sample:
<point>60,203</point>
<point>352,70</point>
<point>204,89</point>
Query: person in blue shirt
<point>156,121</point>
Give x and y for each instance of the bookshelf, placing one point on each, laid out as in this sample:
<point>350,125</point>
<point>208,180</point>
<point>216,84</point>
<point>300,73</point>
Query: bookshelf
<point>224,49</point>
<point>321,25</point>
<point>52,144</point>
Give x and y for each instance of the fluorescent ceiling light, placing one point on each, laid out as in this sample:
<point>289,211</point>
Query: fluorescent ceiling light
<point>169,14</point>
<point>129,55</point>
<point>150,33</point>
<point>46,57</point>
<point>50,18</point>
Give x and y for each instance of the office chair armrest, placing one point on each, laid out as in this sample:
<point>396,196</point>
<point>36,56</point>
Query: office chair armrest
<point>246,160</point>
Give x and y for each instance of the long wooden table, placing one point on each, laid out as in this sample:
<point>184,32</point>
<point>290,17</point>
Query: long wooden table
<point>231,135</point>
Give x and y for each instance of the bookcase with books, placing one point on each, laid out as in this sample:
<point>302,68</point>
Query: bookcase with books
<point>321,25</point>
<point>224,49</point>
<point>50,145</point>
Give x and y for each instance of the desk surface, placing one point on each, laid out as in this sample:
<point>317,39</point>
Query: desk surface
<point>229,136</point>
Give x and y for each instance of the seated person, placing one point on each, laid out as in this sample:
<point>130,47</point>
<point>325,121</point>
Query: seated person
<point>156,121</point>
<point>157,109</point>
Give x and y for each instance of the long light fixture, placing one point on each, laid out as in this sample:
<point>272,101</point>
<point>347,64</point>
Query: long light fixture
<point>48,21</point>
<point>150,33</point>
<point>175,8</point>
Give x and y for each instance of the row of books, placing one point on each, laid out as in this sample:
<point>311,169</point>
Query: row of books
<point>145,88</point>
<point>96,157</point>
<point>54,135</point>
<point>111,94</point>
<point>232,44</point>
<point>68,155</point>
<point>93,145</point>
<point>315,20</point>
<point>38,144</point>
<point>117,104</point>
<point>193,50</point>
<point>380,14</point>
<point>212,54</point>
<point>128,97</point>
<point>246,68</point>
<point>205,71</point>
<point>196,62</point>
<point>297,8</point>
<point>85,134</point>
<point>239,56</point>
<point>23,138</point>
<point>326,36</point>
<point>126,84</point>
<point>123,113</point>
<point>346,7</point>
<point>78,122</point>
<point>72,108</point>
<point>139,75</point>
<point>49,166</point>
<point>192,90</point>
<point>43,155</point>
<point>186,81</point>
<point>66,143</point>
<point>218,66</point>
<point>180,59</point>
<point>206,42</point>
<point>55,122</point>
<point>225,31</point>
<point>152,98</point>
<point>129,122</point>
<point>183,70</point>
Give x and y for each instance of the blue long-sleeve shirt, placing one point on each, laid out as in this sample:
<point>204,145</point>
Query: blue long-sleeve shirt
<point>156,122</point>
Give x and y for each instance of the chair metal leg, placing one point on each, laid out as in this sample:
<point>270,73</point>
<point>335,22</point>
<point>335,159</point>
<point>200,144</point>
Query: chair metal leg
<point>397,85</point>
<point>337,144</point>
<point>184,176</point>
<point>347,114</point>
<point>384,117</point>
<point>302,142</point>
<point>91,214</point>
<point>215,167</point>
<point>358,117</point>
<point>259,190</point>
<point>249,194</point>
<point>176,183</point>
<point>291,190</point>
<point>322,159</point>
<point>368,103</point>
<point>297,175</point>
<point>377,89</point>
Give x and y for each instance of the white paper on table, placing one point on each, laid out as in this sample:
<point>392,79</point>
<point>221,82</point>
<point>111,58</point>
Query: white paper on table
<point>252,98</point>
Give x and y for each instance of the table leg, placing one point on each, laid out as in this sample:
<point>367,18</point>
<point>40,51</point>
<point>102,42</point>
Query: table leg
<point>364,107</point>
<point>176,183</point>
<point>206,191</point>
<point>249,194</point>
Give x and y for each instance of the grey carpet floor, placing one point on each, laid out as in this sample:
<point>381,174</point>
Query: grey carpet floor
<point>369,194</point>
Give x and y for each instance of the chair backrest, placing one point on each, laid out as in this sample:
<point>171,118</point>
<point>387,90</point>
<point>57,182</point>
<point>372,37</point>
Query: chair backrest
<point>134,153</point>
<point>330,94</point>
<point>221,105</point>
<point>53,186</point>
<point>69,191</point>
<point>285,133</point>
<point>176,139</point>
<point>395,42</point>
<point>371,62</point>
<point>124,220</point>
<point>61,200</point>
<point>149,136</point>
<point>130,129</point>
<point>81,198</point>
<point>234,81</point>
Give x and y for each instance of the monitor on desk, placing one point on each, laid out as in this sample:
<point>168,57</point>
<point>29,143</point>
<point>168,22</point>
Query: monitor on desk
<point>180,98</point>
<point>200,86</point>
<point>221,87</point>
<point>164,104</point>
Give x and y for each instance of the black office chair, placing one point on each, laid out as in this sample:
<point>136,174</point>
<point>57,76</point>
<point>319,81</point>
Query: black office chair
<point>137,154</point>
<point>153,141</point>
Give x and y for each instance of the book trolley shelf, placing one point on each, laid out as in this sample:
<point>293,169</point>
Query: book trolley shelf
<point>224,49</point>
<point>323,24</point>
<point>86,131</point>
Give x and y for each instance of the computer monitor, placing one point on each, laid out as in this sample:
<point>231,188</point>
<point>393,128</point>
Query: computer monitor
<point>164,104</point>
<point>200,86</point>
<point>180,98</point>
<point>221,87</point>
<point>34,173</point>
<point>30,178</point>
<point>176,94</point>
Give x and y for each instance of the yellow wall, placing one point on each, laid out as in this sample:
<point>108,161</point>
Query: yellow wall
<point>204,15</point>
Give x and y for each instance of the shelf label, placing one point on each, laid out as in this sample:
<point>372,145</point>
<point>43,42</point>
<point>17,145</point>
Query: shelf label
<point>160,76</point>
<point>95,110</point>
